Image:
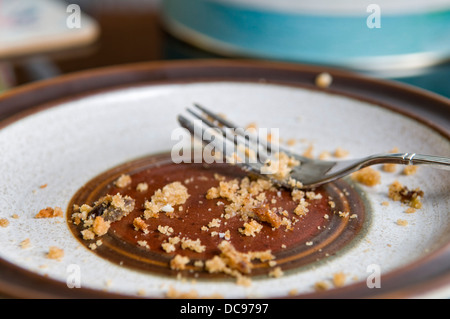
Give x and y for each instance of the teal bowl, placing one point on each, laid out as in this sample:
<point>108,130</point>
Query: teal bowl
<point>388,35</point>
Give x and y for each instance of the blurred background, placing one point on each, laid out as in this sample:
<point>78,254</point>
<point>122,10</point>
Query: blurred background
<point>401,40</point>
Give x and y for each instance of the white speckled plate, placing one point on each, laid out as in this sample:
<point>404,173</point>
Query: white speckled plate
<point>61,135</point>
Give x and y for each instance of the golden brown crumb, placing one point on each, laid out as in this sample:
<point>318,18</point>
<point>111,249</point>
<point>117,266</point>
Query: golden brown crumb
<point>234,263</point>
<point>100,226</point>
<point>244,196</point>
<point>390,168</point>
<point>4,222</point>
<point>143,243</point>
<point>323,80</point>
<point>251,228</point>
<point>410,170</point>
<point>302,208</point>
<point>309,152</point>
<point>398,192</point>
<point>24,244</point>
<point>97,220</point>
<point>175,294</point>
<point>340,153</point>
<point>214,223</point>
<point>163,200</point>
<point>267,215</point>
<point>402,222</point>
<point>170,245</point>
<point>166,230</point>
<point>367,176</point>
<point>43,186</point>
<point>297,195</point>
<point>410,210</point>
<point>293,292</point>
<point>291,142</point>
<point>280,166</point>
<point>194,245</point>
<point>123,181</point>
<point>179,262</point>
<point>50,212</point>
<point>324,155</point>
<point>139,224</point>
<point>276,272</point>
<point>321,286</point>
<point>142,187</point>
<point>55,253</point>
<point>339,279</point>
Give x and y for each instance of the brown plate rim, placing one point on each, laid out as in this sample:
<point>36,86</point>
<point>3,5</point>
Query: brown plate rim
<point>429,273</point>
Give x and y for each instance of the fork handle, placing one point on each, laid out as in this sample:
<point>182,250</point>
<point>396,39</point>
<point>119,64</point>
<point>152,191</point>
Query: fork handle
<point>412,159</point>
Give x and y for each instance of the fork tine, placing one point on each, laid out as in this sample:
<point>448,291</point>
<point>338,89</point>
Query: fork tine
<point>215,116</point>
<point>238,139</point>
<point>262,146</point>
<point>226,146</point>
<point>261,143</point>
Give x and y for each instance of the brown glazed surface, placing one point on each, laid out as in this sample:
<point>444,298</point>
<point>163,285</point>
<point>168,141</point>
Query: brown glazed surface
<point>120,245</point>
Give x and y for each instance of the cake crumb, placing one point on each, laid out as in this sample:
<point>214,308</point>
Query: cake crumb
<point>100,226</point>
<point>323,80</point>
<point>170,195</point>
<point>194,245</point>
<point>398,192</point>
<point>175,294</point>
<point>55,253</point>
<point>123,181</point>
<point>321,286</point>
<point>140,224</point>
<point>96,220</point>
<point>142,187</point>
<point>276,272</point>
<point>50,212</point>
<point>4,222</point>
<point>179,262</point>
<point>293,292</point>
<point>402,222</point>
<point>251,228</point>
<point>340,153</point>
<point>24,244</point>
<point>169,246</point>
<point>143,243</point>
<point>267,215</point>
<point>389,168</point>
<point>214,223</point>
<point>339,279</point>
<point>166,230</point>
<point>410,170</point>
<point>280,166</point>
<point>367,176</point>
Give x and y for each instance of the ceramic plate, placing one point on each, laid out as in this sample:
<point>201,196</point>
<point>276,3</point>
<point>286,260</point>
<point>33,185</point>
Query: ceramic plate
<point>58,135</point>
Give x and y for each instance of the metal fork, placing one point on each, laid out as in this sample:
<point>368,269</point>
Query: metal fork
<point>253,152</point>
